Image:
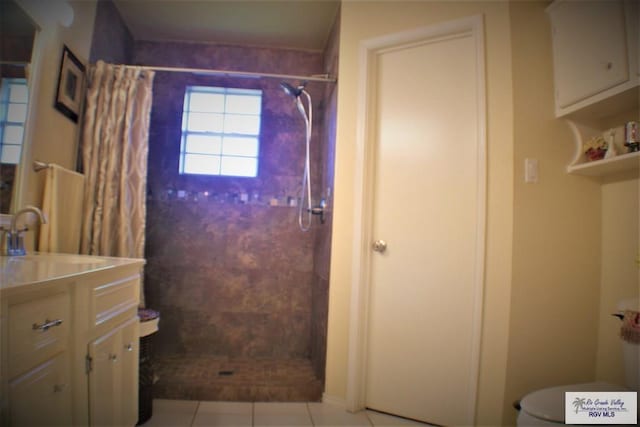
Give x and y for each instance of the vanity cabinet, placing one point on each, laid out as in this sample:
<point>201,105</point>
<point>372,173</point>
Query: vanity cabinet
<point>595,51</point>
<point>70,344</point>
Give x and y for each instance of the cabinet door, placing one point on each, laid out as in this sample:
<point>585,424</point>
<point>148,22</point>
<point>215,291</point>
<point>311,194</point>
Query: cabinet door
<point>113,379</point>
<point>130,350</point>
<point>104,382</point>
<point>589,48</point>
<point>42,396</point>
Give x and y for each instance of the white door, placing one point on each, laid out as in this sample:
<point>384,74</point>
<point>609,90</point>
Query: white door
<point>428,208</point>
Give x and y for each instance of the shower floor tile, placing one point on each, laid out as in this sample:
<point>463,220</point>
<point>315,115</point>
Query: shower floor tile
<point>245,380</point>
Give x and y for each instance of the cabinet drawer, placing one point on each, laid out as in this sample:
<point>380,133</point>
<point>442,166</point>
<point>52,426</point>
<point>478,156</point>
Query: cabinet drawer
<point>112,299</point>
<point>38,329</point>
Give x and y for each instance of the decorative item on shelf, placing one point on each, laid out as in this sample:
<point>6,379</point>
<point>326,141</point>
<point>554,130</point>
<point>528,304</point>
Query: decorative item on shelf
<point>631,136</point>
<point>595,148</point>
<point>611,144</point>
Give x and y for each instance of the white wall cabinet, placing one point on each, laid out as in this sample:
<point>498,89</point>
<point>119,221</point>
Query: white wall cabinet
<point>595,51</point>
<point>596,76</point>
<point>70,347</point>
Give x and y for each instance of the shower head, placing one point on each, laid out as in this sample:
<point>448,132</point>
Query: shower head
<point>292,91</point>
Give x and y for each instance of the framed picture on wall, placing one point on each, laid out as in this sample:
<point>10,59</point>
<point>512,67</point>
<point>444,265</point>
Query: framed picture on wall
<point>70,84</point>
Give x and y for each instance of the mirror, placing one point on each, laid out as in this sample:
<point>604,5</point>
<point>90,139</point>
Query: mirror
<point>17,35</point>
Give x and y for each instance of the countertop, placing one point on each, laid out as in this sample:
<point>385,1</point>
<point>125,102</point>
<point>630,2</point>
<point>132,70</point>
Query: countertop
<point>18,271</point>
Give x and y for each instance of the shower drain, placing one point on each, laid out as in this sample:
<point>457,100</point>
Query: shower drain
<point>225,373</point>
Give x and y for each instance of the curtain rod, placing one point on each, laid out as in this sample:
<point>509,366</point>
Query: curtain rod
<point>326,78</point>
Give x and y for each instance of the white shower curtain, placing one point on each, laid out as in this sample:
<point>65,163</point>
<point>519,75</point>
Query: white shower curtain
<point>115,138</point>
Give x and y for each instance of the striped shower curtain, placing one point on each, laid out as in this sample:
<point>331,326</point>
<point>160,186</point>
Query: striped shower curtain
<point>114,145</point>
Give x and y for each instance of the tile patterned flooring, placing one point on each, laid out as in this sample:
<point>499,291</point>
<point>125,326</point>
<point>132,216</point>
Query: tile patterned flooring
<point>191,413</point>
<point>213,378</point>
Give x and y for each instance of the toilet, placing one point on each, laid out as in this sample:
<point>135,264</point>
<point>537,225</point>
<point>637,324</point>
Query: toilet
<point>546,407</point>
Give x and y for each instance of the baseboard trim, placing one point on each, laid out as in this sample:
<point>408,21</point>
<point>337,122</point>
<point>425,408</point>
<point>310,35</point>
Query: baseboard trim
<point>334,400</point>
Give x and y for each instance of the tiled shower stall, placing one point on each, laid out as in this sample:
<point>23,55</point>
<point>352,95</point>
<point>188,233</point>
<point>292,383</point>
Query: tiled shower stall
<point>242,292</point>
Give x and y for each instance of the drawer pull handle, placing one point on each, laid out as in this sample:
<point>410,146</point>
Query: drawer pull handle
<point>129,347</point>
<point>46,325</point>
<point>113,357</point>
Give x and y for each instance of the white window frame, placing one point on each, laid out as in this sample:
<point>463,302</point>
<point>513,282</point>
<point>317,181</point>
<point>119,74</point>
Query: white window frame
<point>223,149</point>
<point>5,103</point>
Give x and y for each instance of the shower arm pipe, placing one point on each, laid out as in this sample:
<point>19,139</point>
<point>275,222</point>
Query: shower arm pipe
<point>326,78</point>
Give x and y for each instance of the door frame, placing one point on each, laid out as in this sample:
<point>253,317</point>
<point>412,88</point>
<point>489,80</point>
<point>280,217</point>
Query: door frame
<point>472,26</point>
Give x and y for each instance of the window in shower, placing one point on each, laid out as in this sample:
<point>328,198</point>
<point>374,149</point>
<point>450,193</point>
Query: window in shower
<point>220,131</point>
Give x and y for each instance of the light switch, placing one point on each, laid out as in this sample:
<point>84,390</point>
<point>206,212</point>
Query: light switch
<point>531,171</point>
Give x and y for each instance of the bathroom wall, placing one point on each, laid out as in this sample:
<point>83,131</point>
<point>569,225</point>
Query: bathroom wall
<point>619,279</point>
<point>556,238</point>
<point>231,278</point>
<point>112,41</point>
<point>52,137</point>
<point>361,21</point>
<point>620,274</point>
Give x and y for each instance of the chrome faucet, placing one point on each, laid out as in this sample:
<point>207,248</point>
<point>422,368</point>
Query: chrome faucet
<point>13,240</point>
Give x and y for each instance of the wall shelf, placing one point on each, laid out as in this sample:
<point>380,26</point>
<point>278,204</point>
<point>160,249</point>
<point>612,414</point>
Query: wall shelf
<point>620,163</point>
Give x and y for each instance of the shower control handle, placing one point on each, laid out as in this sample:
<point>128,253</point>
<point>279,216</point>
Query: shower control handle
<point>379,246</point>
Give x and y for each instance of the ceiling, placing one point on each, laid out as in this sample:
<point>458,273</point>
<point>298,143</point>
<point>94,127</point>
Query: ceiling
<point>299,24</point>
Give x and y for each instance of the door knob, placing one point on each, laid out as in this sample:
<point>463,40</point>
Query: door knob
<point>379,246</point>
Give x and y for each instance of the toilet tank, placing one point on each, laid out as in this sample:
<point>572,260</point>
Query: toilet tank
<point>631,351</point>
